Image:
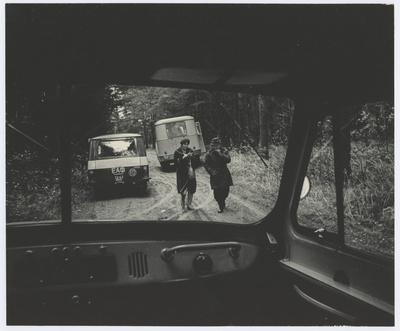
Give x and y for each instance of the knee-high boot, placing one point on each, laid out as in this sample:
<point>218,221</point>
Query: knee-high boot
<point>189,203</point>
<point>183,197</point>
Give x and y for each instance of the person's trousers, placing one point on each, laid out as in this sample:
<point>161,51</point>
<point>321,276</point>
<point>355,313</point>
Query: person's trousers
<point>220,194</point>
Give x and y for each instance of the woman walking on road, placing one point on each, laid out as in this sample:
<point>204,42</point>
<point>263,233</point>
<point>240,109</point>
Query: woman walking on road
<point>185,175</point>
<point>215,163</point>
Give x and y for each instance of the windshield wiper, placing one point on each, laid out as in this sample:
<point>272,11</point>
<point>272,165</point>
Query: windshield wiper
<point>29,138</point>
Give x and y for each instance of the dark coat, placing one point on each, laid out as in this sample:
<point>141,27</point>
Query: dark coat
<point>182,171</point>
<point>215,164</point>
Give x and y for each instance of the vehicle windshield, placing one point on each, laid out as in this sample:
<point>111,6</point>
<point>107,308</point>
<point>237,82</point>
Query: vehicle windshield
<point>118,148</point>
<point>176,129</point>
<point>226,167</point>
<point>109,185</point>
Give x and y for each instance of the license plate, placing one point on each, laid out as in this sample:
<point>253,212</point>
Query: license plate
<point>119,179</point>
<point>117,170</point>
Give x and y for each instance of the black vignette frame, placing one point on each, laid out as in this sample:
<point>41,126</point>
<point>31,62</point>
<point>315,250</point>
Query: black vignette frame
<point>272,272</point>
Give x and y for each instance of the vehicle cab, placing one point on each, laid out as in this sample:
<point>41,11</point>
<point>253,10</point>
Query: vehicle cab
<point>272,258</point>
<point>118,159</point>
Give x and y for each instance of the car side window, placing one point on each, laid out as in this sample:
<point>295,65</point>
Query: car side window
<point>198,128</point>
<point>318,210</point>
<point>368,168</point>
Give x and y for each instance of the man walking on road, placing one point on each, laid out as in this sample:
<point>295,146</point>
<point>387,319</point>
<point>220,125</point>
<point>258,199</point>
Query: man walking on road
<point>215,163</point>
<point>185,175</point>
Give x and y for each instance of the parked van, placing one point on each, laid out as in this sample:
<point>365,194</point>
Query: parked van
<point>169,133</point>
<point>118,159</point>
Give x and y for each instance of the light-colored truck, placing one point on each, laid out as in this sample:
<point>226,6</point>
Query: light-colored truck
<point>170,131</point>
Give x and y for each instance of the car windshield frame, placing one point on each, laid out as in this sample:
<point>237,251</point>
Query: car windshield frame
<point>121,152</point>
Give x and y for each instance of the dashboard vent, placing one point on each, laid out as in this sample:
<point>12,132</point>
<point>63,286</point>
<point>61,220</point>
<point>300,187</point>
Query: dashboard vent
<point>138,267</point>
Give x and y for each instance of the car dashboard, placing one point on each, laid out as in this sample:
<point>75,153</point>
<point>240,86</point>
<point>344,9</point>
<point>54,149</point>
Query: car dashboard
<point>125,263</point>
<point>136,281</point>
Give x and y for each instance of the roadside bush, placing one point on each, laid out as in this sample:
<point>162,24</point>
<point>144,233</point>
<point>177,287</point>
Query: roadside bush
<point>32,187</point>
<point>368,197</point>
<point>250,174</point>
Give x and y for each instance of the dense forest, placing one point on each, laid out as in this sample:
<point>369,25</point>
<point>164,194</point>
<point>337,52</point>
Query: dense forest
<point>235,117</point>
<point>238,119</point>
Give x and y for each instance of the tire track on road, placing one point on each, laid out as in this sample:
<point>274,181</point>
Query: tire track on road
<point>162,202</point>
<point>206,202</point>
<point>166,200</point>
<point>252,207</point>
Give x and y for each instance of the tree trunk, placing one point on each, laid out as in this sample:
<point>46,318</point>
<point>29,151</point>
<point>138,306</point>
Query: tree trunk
<point>263,116</point>
<point>235,104</point>
<point>146,142</point>
<point>153,140</point>
<point>241,118</point>
<point>246,116</point>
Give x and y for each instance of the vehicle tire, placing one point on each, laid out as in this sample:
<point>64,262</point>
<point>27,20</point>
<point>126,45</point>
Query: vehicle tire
<point>98,192</point>
<point>164,166</point>
<point>142,188</point>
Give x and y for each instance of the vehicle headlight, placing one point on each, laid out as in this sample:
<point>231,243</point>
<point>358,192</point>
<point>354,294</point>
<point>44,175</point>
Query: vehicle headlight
<point>132,172</point>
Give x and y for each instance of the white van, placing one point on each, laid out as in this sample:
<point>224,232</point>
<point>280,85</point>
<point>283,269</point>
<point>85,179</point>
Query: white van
<point>118,159</point>
<point>169,133</point>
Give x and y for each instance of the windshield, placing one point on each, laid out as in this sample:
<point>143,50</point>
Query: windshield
<point>236,181</point>
<point>118,148</point>
<point>176,129</point>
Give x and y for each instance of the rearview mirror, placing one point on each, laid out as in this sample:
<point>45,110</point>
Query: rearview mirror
<point>306,188</point>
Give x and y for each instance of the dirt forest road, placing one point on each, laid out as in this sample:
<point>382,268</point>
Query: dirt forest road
<point>162,202</point>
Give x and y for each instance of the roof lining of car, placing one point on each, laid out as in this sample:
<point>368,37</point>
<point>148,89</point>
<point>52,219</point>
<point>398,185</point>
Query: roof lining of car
<point>331,53</point>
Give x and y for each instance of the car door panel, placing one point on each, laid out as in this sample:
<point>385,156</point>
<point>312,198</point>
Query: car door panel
<point>350,283</point>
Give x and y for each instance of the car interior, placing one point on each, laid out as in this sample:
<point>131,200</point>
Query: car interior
<point>273,272</point>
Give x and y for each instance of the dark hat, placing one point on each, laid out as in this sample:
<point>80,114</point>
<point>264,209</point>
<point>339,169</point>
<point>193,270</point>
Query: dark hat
<point>215,141</point>
<point>184,141</point>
